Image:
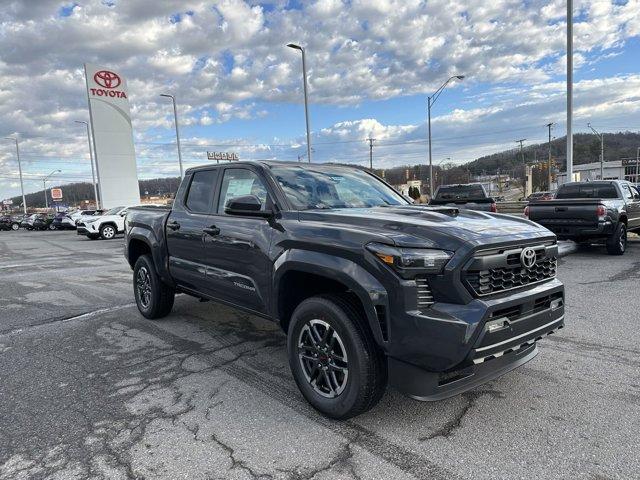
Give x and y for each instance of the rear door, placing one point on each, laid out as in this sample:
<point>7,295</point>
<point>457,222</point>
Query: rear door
<point>184,230</point>
<point>238,268</point>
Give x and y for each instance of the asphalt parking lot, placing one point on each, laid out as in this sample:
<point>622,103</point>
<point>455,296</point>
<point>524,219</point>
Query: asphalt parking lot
<point>90,389</point>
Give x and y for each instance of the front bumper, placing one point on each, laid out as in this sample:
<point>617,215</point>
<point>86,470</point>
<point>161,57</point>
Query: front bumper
<point>86,229</point>
<point>452,348</point>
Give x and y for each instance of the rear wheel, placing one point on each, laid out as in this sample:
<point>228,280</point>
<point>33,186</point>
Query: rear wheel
<point>333,357</point>
<point>52,226</point>
<point>15,226</point>
<point>107,232</point>
<point>617,243</point>
<point>153,297</point>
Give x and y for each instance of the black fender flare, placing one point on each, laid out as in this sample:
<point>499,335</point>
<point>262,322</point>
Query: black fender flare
<point>362,283</point>
<point>158,253</point>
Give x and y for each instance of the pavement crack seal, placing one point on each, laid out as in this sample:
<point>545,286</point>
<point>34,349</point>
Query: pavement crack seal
<point>82,316</point>
<point>452,425</point>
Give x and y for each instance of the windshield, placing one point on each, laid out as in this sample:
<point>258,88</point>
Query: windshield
<point>114,211</point>
<point>460,192</point>
<point>325,187</point>
<point>587,190</point>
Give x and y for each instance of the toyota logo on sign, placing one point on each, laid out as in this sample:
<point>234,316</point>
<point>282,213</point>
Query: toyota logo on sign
<point>528,258</point>
<point>107,79</point>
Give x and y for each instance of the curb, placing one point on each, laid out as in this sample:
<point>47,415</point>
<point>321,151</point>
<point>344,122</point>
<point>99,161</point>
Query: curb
<point>566,247</point>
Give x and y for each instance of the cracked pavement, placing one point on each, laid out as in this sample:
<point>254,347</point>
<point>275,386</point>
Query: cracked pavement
<point>91,389</point>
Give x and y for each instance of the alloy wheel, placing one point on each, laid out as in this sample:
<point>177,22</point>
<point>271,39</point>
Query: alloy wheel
<point>15,226</point>
<point>108,232</point>
<point>323,358</point>
<point>143,285</point>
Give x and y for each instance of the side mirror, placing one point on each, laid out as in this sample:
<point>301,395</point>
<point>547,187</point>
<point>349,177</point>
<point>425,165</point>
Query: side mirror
<point>246,205</point>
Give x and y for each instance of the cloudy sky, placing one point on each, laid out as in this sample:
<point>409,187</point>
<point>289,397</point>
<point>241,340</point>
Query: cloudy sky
<point>371,65</point>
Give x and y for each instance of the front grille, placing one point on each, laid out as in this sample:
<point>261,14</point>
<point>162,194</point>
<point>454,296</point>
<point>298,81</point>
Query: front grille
<point>497,271</point>
<point>424,295</point>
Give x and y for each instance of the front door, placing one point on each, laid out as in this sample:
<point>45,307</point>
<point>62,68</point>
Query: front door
<point>189,216</point>
<point>633,208</point>
<point>238,268</point>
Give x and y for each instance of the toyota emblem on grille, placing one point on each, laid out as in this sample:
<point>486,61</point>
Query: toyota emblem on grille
<point>528,258</point>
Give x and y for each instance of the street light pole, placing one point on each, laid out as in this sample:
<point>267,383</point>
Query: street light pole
<point>306,97</point>
<point>175,119</point>
<point>601,135</point>
<point>44,184</point>
<point>93,172</point>
<point>569,90</point>
<point>549,125</point>
<point>24,201</point>
<point>430,101</point>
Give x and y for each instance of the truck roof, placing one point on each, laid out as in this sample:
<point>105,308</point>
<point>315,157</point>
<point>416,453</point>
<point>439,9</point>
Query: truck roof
<point>269,163</point>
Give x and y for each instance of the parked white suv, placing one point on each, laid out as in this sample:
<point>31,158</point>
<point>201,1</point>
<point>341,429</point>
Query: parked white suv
<point>104,226</point>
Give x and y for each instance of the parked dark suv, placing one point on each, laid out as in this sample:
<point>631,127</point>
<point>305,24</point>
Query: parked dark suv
<point>370,289</point>
<point>7,222</point>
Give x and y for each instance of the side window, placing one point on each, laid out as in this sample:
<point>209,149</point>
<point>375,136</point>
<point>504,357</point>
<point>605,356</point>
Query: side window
<point>238,182</point>
<point>635,193</point>
<point>626,192</point>
<point>201,190</point>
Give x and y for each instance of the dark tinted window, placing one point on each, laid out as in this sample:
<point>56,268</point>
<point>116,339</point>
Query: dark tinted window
<point>460,192</point>
<point>587,190</point>
<point>200,196</point>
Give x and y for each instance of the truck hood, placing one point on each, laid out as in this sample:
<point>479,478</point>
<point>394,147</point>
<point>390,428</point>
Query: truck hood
<point>431,227</point>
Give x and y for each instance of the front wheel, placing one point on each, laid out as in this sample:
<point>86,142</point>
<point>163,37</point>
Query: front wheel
<point>333,357</point>
<point>153,297</point>
<point>52,226</point>
<point>617,243</point>
<point>15,226</point>
<point>107,232</point>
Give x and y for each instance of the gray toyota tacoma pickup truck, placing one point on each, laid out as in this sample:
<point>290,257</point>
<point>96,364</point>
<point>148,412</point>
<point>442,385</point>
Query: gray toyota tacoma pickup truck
<point>370,289</point>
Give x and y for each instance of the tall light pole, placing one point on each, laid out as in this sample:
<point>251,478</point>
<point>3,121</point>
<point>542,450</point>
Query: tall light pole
<point>306,96</point>
<point>549,125</point>
<point>93,172</point>
<point>569,90</point>
<point>44,184</point>
<point>175,120</point>
<point>24,201</point>
<point>601,135</point>
<point>430,101</point>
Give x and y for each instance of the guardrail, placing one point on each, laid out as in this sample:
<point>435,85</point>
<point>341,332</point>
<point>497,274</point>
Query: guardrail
<point>511,207</point>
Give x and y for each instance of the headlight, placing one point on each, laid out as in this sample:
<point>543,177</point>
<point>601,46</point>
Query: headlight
<point>410,261</point>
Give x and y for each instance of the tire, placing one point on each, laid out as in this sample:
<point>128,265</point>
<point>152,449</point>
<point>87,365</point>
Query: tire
<point>52,226</point>
<point>350,363</point>
<point>153,297</point>
<point>15,226</point>
<point>107,232</point>
<point>617,243</point>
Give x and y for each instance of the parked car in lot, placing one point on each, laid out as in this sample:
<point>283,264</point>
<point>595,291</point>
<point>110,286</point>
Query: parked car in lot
<point>84,215</point>
<point>105,226</point>
<point>62,221</point>
<point>591,211</point>
<point>369,288</point>
<point>470,196</point>
<point>43,221</point>
<point>7,222</point>
<point>27,221</point>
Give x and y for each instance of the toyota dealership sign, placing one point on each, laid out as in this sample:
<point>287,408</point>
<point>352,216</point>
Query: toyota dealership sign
<point>112,136</point>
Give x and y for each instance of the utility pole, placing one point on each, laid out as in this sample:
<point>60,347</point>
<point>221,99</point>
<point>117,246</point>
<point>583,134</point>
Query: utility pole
<point>601,135</point>
<point>524,165</point>
<point>24,201</point>
<point>569,90</point>
<point>549,125</point>
<point>638,165</point>
<point>371,140</point>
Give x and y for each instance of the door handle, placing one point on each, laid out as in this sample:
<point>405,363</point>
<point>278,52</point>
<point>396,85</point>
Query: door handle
<point>212,230</point>
<point>173,225</point>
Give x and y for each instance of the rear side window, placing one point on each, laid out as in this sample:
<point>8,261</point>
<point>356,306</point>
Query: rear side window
<point>626,192</point>
<point>586,190</point>
<point>200,196</point>
<point>462,192</point>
